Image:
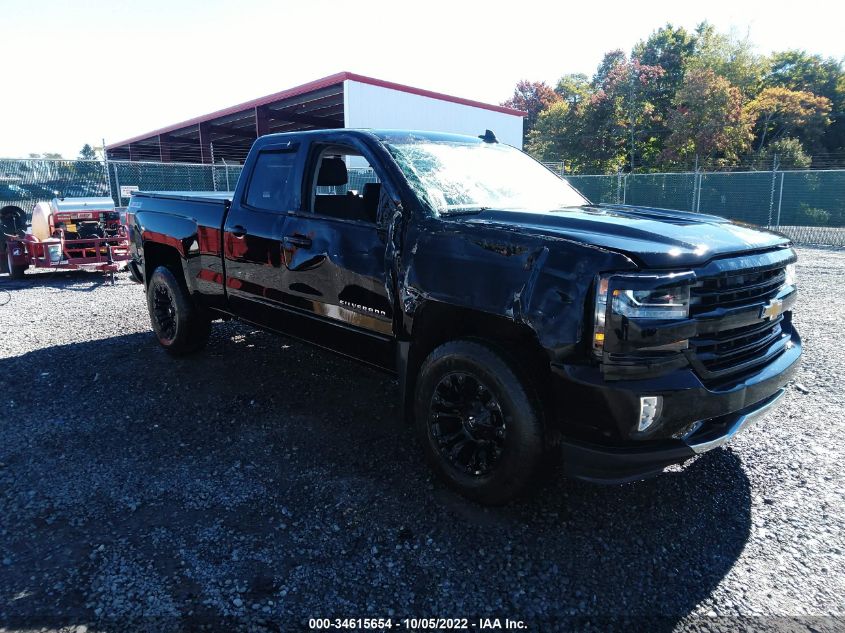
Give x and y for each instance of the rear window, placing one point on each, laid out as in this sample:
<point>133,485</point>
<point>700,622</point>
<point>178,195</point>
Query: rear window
<point>269,188</point>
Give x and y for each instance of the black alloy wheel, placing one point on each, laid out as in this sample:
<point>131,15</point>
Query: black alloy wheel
<point>479,420</point>
<point>180,325</point>
<point>467,424</point>
<point>164,311</point>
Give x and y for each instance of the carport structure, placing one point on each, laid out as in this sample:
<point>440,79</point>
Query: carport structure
<point>343,99</point>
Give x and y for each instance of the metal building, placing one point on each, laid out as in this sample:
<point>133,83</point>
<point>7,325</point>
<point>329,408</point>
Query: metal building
<point>341,100</point>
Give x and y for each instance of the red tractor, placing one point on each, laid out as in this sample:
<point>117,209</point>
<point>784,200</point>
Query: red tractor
<point>65,234</point>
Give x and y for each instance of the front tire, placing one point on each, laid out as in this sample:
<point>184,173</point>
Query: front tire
<point>179,325</point>
<point>479,423</point>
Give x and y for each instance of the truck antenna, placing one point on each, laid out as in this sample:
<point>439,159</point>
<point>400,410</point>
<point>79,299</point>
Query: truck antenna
<point>489,137</point>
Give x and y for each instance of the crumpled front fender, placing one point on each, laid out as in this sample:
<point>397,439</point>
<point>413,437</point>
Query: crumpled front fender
<point>536,281</point>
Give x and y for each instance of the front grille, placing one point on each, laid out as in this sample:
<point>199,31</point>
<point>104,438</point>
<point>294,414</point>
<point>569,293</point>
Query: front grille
<point>735,289</point>
<point>728,352</point>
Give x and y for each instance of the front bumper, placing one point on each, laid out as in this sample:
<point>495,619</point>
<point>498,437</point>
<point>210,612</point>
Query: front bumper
<point>613,465</point>
<point>601,441</point>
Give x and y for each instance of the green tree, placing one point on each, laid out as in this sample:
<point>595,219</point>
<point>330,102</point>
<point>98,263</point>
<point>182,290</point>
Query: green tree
<point>532,97</point>
<point>684,93</point>
<point>555,136</point>
<point>790,155</point>
<point>798,70</point>
<point>623,116</point>
<point>573,88</point>
<point>729,56</point>
<point>801,71</point>
<point>610,61</point>
<point>779,112</point>
<point>708,120</point>
<point>670,48</point>
<point>87,152</point>
<point>88,172</point>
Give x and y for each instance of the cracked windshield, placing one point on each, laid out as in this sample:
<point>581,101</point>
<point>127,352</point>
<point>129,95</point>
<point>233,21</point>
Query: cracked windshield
<point>455,178</point>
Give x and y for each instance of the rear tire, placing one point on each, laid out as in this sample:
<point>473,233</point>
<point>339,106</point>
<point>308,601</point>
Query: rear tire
<point>180,326</point>
<point>479,423</point>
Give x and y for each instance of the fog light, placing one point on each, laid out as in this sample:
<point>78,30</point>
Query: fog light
<point>650,409</point>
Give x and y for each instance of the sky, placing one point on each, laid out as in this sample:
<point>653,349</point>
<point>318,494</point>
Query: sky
<point>77,72</point>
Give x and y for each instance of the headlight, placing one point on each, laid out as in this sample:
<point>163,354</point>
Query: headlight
<point>641,297</point>
<point>670,303</point>
<point>790,275</point>
<point>600,313</point>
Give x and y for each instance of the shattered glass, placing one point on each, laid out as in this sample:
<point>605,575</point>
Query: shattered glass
<point>455,177</point>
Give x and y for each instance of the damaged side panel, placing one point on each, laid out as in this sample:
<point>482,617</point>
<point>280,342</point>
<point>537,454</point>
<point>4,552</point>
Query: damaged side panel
<point>537,282</point>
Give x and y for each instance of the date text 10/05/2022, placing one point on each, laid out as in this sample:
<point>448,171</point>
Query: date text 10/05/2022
<point>416,624</point>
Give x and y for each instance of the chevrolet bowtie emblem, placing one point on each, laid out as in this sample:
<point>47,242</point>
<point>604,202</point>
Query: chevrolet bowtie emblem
<point>772,309</point>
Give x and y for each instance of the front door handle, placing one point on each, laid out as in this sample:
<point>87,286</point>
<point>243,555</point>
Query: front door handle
<point>298,241</point>
<point>237,231</point>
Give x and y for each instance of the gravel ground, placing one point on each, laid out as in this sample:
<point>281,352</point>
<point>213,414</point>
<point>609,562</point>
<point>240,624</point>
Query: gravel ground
<point>262,482</point>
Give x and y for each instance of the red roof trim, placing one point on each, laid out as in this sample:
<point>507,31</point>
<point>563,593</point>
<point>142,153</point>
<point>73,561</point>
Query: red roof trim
<point>318,84</point>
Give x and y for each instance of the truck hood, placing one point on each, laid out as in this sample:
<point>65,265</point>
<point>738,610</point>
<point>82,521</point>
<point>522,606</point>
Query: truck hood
<point>653,238</point>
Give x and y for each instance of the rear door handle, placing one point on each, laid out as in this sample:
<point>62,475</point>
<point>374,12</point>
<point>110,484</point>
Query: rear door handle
<point>299,241</point>
<point>237,231</point>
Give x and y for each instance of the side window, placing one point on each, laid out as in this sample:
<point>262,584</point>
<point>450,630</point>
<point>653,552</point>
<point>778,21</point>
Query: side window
<point>344,185</point>
<point>270,186</point>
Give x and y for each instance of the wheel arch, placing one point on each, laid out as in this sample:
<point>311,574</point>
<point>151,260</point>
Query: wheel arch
<point>437,323</point>
<point>157,254</point>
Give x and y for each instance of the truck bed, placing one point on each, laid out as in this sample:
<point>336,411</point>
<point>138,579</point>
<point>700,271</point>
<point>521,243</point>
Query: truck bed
<point>192,224</point>
<point>192,196</point>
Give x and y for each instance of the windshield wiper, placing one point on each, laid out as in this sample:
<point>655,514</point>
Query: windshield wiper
<point>463,210</point>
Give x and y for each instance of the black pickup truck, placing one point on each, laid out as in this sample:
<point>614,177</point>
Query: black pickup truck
<point>521,319</point>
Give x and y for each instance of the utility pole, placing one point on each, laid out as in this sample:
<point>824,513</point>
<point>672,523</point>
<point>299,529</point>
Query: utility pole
<point>775,167</point>
<point>696,187</point>
<point>631,118</point>
<point>106,170</point>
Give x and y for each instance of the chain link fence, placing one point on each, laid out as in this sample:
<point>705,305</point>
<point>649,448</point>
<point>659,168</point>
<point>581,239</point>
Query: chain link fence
<point>126,177</point>
<point>24,182</point>
<point>807,205</point>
